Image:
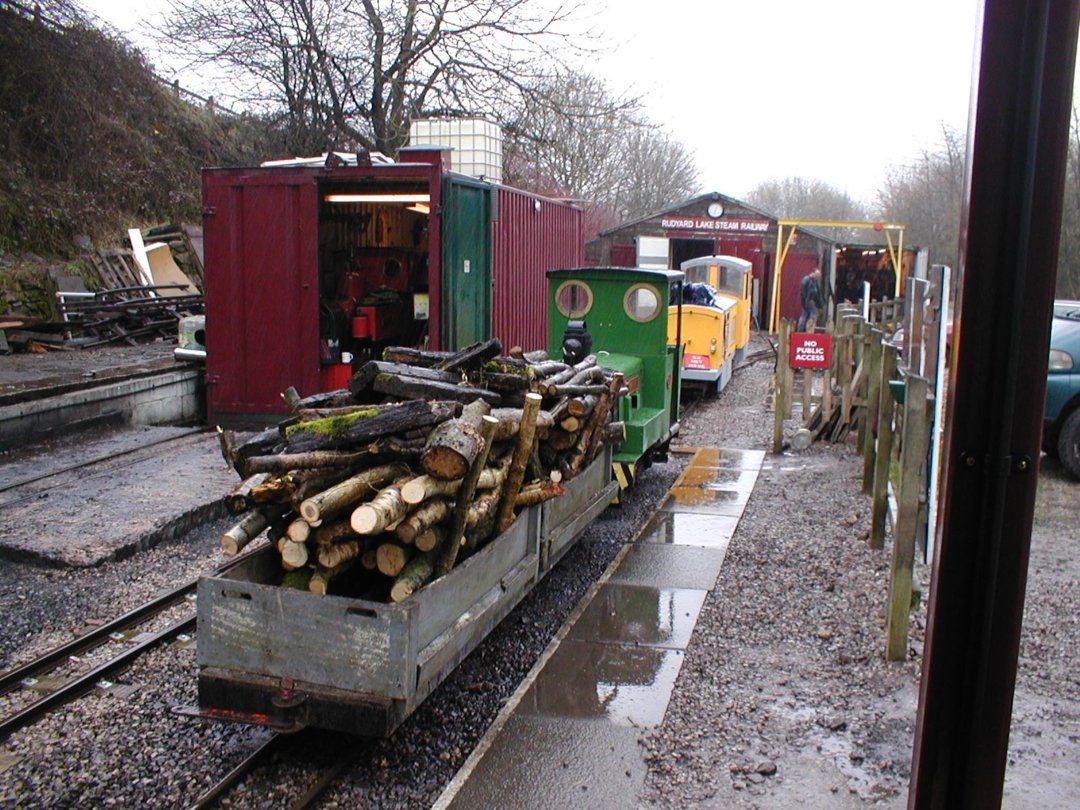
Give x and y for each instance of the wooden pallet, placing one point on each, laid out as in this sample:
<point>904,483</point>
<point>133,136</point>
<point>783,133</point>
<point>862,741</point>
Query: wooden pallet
<point>117,269</point>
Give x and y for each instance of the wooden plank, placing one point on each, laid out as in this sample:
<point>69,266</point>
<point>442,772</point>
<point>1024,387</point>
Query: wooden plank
<point>912,489</point>
<point>882,462</point>
<point>780,380</point>
<point>871,427</point>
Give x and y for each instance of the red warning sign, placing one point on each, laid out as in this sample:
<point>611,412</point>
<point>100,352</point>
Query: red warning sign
<point>810,350</point>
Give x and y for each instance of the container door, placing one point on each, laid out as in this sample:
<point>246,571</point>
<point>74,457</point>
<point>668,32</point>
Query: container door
<point>262,305</point>
<point>466,263</point>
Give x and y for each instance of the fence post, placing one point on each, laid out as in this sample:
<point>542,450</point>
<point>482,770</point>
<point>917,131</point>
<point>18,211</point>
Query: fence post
<point>883,459</point>
<point>782,385</point>
<point>872,425</point>
<point>860,394</point>
<point>912,487</point>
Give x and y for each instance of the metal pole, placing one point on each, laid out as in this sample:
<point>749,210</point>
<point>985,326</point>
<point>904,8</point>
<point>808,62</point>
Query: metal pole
<point>1019,136</point>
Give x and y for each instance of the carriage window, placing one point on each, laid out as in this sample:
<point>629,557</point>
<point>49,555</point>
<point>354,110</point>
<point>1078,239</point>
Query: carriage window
<point>573,299</point>
<point>641,303</point>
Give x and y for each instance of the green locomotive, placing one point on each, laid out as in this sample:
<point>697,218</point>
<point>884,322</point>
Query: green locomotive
<point>621,315</point>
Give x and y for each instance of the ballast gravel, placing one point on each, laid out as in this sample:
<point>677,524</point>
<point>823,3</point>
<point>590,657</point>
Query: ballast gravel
<point>783,698</point>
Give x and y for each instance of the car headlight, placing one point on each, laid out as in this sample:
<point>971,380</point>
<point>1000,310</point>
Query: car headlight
<point>1060,361</point>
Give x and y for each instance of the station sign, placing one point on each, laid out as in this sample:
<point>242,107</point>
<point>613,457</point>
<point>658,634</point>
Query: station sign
<point>810,350</point>
<point>706,225</point>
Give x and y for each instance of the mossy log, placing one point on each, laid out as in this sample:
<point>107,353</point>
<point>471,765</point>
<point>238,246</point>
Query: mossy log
<point>472,356</point>
<point>414,357</point>
<point>454,445</point>
<point>329,503</point>
<point>364,378</point>
<point>419,570</point>
<point>366,425</point>
<point>296,580</point>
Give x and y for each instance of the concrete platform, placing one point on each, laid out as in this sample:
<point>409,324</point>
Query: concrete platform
<point>83,475</point>
<point>54,393</point>
<point>102,506</point>
<point>569,735</point>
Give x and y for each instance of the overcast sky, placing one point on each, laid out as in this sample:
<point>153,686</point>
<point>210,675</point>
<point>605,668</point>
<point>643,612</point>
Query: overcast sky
<point>836,90</point>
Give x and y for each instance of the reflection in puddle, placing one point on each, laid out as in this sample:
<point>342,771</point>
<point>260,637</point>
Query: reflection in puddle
<point>637,614</point>
<point>728,459</point>
<point>690,529</point>
<point>728,502</point>
<point>718,478</point>
<point>625,685</point>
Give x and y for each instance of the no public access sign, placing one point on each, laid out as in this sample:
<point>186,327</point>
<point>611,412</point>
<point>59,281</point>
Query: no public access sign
<point>810,350</point>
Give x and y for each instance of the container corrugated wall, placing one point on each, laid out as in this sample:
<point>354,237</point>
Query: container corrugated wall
<point>531,236</point>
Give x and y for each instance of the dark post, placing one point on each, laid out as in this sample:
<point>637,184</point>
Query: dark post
<point>1007,266</point>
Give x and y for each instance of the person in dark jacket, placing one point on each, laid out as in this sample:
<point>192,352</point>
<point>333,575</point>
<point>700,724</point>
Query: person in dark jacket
<point>811,298</point>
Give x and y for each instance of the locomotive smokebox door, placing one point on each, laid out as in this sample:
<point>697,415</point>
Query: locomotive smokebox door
<point>576,343</point>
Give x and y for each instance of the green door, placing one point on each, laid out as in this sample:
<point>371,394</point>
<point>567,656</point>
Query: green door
<point>466,263</point>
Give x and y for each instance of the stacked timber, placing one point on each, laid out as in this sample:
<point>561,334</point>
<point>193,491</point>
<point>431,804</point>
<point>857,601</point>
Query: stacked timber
<point>375,490</point>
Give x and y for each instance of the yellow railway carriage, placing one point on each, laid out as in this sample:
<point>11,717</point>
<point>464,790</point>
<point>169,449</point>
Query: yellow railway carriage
<point>708,339</point>
<point>730,278</point>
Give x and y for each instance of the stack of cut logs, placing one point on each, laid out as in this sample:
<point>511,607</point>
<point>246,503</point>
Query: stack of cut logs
<point>373,491</point>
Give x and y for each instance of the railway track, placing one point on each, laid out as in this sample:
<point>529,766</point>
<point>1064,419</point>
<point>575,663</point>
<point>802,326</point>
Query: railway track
<point>262,757</point>
<point>29,675</point>
<point>104,464</point>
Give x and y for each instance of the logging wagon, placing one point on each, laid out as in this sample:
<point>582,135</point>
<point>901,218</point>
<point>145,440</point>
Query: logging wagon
<point>408,514</point>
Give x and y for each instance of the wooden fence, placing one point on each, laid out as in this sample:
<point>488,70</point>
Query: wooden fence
<point>883,384</point>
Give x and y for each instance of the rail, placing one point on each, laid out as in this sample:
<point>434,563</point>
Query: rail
<point>25,674</point>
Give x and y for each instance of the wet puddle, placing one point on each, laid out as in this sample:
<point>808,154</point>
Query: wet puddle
<point>623,685</point>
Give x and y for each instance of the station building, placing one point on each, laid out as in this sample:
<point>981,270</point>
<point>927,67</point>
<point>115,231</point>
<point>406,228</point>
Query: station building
<point>715,224</point>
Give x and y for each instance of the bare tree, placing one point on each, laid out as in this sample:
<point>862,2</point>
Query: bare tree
<point>360,70</point>
<point>927,195</point>
<point>1068,271</point>
<point>799,198</point>
<point>580,140</point>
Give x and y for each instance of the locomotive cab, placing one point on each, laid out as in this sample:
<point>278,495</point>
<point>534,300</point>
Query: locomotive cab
<point>623,312</point>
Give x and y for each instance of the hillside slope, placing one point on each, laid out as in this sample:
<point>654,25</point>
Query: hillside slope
<point>94,144</point>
